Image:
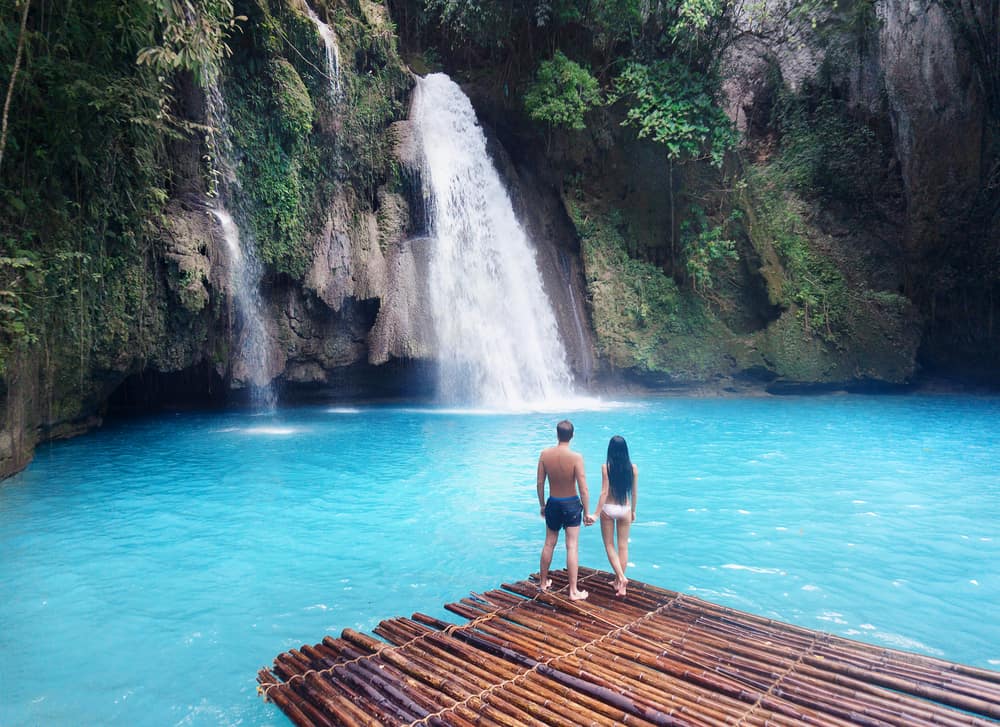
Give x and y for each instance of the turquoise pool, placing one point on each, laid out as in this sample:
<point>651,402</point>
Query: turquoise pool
<point>150,568</point>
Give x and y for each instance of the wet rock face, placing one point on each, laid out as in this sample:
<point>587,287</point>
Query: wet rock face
<point>937,118</point>
<point>916,71</point>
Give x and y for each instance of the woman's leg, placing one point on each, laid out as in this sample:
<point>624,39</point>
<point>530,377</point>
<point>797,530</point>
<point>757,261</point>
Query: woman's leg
<point>624,526</point>
<point>608,533</point>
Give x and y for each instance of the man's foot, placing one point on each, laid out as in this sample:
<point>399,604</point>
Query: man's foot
<point>545,586</point>
<point>578,595</point>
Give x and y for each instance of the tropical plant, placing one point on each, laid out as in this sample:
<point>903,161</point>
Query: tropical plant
<point>706,248</point>
<point>673,106</point>
<point>562,93</point>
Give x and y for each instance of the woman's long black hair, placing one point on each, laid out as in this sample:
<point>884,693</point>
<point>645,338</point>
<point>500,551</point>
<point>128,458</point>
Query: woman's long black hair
<point>619,469</point>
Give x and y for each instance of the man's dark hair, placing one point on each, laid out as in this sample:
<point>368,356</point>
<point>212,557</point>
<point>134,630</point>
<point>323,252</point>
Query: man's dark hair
<point>564,430</point>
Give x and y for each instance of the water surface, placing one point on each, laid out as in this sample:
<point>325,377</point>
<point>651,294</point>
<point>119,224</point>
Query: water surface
<point>150,568</point>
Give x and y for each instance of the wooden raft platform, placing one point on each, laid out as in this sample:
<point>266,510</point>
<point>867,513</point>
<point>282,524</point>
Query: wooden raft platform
<point>655,657</point>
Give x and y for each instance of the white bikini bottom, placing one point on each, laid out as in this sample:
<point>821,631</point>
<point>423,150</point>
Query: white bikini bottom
<point>617,512</point>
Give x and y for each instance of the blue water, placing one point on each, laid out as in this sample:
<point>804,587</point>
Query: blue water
<point>150,568</point>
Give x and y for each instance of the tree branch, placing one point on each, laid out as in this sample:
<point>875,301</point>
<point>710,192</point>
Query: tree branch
<point>13,78</point>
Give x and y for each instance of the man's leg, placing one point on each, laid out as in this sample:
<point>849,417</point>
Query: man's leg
<point>572,565</point>
<point>551,538</point>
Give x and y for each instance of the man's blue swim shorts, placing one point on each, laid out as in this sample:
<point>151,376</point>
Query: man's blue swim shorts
<point>563,512</point>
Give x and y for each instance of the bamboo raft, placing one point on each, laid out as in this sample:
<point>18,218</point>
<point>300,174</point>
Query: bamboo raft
<point>656,657</point>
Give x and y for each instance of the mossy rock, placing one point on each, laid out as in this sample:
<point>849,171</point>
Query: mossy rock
<point>291,98</point>
<point>642,320</point>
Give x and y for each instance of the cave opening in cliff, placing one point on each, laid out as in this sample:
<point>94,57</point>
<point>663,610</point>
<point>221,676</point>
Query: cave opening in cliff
<point>198,386</point>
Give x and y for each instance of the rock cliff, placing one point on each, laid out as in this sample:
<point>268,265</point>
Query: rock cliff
<point>853,262</point>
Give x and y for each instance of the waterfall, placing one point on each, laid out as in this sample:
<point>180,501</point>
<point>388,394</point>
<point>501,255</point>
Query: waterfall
<point>496,334</point>
<point>251,363</point>
<point>332,51</point>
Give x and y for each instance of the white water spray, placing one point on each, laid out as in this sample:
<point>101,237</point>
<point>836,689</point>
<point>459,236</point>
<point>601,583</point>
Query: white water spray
<point>497,336</point>
<point>332,51</point>
<point>251,364</point>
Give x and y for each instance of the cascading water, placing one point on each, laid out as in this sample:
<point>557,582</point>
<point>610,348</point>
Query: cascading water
<point>251,365</point>
<point>497,337</point>
<point>332,51</point>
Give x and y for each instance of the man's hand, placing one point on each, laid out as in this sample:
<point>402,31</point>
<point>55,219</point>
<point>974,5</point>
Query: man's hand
<point>541,511</point>
<point>589,519</point>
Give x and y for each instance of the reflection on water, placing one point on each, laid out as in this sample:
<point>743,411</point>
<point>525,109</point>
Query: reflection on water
<point>150,568</point>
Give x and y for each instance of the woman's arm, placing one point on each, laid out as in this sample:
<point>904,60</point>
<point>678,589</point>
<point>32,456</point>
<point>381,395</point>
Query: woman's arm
<point>635,489</point>
<point>604,491</point>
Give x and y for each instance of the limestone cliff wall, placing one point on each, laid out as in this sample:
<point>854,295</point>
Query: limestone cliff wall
<point>329,194</point>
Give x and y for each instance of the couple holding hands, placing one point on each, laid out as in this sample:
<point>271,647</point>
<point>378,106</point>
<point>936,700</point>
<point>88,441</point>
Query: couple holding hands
<point>566,509</point>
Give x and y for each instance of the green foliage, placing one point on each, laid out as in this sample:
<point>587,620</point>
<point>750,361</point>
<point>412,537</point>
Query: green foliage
<point>488,23</point>
<point>290,164</point>
<point>562,93</point>
<point>271,118</point>
<point>824,150</point>
<point>19,275</point>
<point>192,37</point>
<point>812,285</point>
<point>84,177</point>
<point>615,22</point>
<point>675,106</point>
<point>373,101</point>
<point>641,319</point>
<point>706,249</point>
<point>291,99</point>
<point>692,26</point>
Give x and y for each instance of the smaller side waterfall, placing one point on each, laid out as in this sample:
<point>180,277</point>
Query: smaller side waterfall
<point>250,364</point>
<point>497,338</point>
<point>332,51</point>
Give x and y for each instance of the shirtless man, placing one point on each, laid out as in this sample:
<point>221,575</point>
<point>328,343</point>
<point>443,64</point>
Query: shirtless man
<point>564,509</point>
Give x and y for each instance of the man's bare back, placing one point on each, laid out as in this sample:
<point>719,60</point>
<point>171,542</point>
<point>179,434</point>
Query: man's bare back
<point>565,509</point>
<point>564,468</point>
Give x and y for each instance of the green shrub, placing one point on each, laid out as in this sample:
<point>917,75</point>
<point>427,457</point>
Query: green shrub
<point>562,93</point>
<point>706,249</point>
<point>675,106</point>
<point>291,99</point>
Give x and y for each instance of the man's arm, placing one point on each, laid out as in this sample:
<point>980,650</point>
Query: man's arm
<point>541,486</point>
<point>581,483</point>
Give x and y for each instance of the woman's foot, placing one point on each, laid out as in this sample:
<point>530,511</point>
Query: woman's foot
<point>620,586</point>
<point>578,595</point>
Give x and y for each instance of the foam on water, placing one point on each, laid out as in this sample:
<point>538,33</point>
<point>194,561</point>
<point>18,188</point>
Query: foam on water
<point>271,431</point>
<point>150,568</point>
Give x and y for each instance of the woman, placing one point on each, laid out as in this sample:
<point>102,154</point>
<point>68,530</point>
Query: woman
<point>617,507</point>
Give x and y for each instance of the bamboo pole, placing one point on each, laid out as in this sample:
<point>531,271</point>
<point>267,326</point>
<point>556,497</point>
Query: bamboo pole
<point>329,700</point>
<point>505,670</point>
<point>299,710</point>
<point>403,631</point>
<point>711,682</point>
<point>969,704</point>
<point>462,654</point>
<point>650,672</point>
<point>622,703</point>
<point>891,699</point>
<point>376,696</point>
<point>642,695</point>
<point>673,659</point>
